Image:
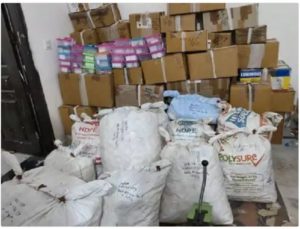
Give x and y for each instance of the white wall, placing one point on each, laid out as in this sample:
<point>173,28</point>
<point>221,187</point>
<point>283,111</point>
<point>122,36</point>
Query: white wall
<point>49,21</point>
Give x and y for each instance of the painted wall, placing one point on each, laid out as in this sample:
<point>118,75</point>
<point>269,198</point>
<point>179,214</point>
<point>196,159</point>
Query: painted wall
<point>49,21</point>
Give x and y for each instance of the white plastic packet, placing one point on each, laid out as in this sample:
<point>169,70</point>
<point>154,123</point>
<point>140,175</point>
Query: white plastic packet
<point>129,137</point>
<point>246,162</point>
<point>136,195</point>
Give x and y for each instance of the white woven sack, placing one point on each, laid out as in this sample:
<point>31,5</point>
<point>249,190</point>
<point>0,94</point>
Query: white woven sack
<point>136,196</point>
<point>246,162</point>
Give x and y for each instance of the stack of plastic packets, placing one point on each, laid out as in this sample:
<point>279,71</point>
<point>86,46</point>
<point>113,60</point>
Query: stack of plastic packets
<point>103,58</point>
<point>76,58</point>
<point>64,46</point>
<point>89,53</point>
<point>141,48</point>
<point>155,45</point>
<point>131,58</point>
<point>118,53</point>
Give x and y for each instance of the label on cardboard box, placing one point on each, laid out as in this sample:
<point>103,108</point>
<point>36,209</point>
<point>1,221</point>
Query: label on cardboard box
<point>250,75</point>
<point>218,40</point>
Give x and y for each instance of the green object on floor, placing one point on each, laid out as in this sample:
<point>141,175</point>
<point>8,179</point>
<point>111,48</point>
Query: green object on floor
<point>206,211</point>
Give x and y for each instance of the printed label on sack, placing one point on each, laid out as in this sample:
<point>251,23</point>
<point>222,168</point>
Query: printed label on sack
<point>239,118</point>
<point>242,159</point>
<point>119,134</point>
<point>85,131</point>
<point>12,210</point>
<point>244,184</point>
<point>129,191</point>
<point>193,169</point>
<point>185,130</point>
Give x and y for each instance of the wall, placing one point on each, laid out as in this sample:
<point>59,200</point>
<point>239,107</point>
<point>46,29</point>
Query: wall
<point>49,21</point>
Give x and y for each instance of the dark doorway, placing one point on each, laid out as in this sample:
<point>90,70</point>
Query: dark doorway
<point>25,120</point>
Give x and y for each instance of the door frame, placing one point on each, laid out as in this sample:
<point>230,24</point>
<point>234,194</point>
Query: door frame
<point>16,25</point>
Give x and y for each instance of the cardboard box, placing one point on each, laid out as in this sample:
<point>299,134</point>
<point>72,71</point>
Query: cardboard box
<point>105,15</point>
<point>80,21</point>
<point>78,7</point>
<point>120,29</point>
<point>169,68</point>
<point>145,24</point>
<point>183,8</point>
<point>259,55</point>
<point>281,76</point>
<point>133,95</point>
<point>210,88</point>
<point>259,102</point>
<point>233,18</point>
<point>250,75</point>
<point>86,37</point>
<point>100,90</point>
<point>70,88</point>
<point>218,40</point>
<point>186,41</point>
<point>128,76</point>
<point>216,63</point>
<point>277,136</point>
<point>178,23</point>
<point>66,110</point>
<point>251,35</point>
<point>282,101</point>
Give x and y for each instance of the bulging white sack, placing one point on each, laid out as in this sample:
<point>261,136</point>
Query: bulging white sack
<point>129,137</point>
<point>247,164</point>
<point>69,161</point>
<point>136,195</point>
<point>159,109</point>
<point>47,197</point>
<point>185,179</point>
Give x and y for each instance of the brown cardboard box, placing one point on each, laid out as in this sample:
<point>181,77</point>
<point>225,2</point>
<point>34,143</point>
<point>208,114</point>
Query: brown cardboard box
<point>133,95</point>
<point>186,41</point>
<point>282,101</point>
<point>222,61</point>
<point>105,15</point>
<point>210,88</point>
<point>80,21</point>
<point>134,76</point>
<point>251,35</point>
<point>259,55</point>
<point>178,23</point>
<point>70,88</point>
<point>183,8</point>
<point>169,68</point>
<point>100,90</point>
<point>145,24</point>
<point>87,36</point>
<point>118,30</point>
<point>65,112</point>
<point>218,40</point>
<point>241,17</point>
<point>78,7</point>
<point>240,96</point>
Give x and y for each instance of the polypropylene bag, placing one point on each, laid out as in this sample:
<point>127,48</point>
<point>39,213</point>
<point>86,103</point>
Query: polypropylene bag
<point>159,109</point>
<point>185,179</point>
<point>194,107</point>
<point>246,162</point>
<point>69,161</point>
<point>238,118</point>
<point>128,137</point>
<point>47,197</point>
<point>136,195</point>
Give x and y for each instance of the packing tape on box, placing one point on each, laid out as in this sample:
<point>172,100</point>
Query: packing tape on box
<point>211,54</point>
<point>114,12</point>
<point>88,13</point>
<point>139,94</point>
<point>193,7</point>
<point>257,52</point>
<point>183,36</point>
<point>163,67</point>
<point>177,23</point>
<point>249,35</point>
<point>250,96</point>
<point>187,86</point>
<point>83,92</point>
<point>75,110</point>
<point>196,82</point>
<point>229,16</point>
<point>81,37</point>
<point>126,76</point>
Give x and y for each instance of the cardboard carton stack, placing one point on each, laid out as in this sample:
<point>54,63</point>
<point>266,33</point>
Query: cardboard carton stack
<point>202,48</point>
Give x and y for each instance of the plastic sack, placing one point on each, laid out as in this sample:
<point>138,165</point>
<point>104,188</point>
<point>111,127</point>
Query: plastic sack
<point>135,200</point>
<point>185,179</point>
<point>239,118</point>
<point>69,161</point>
<point>47,197</point>
<point>129,136</point>
<point>194,107</point>
<point>246,161</point>
<point>159,109</point>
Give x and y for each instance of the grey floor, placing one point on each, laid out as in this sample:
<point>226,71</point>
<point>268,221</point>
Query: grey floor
<point>285,160</point>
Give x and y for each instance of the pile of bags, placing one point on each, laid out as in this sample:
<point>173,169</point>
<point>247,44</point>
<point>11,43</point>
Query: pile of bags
<point>133,166</point>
